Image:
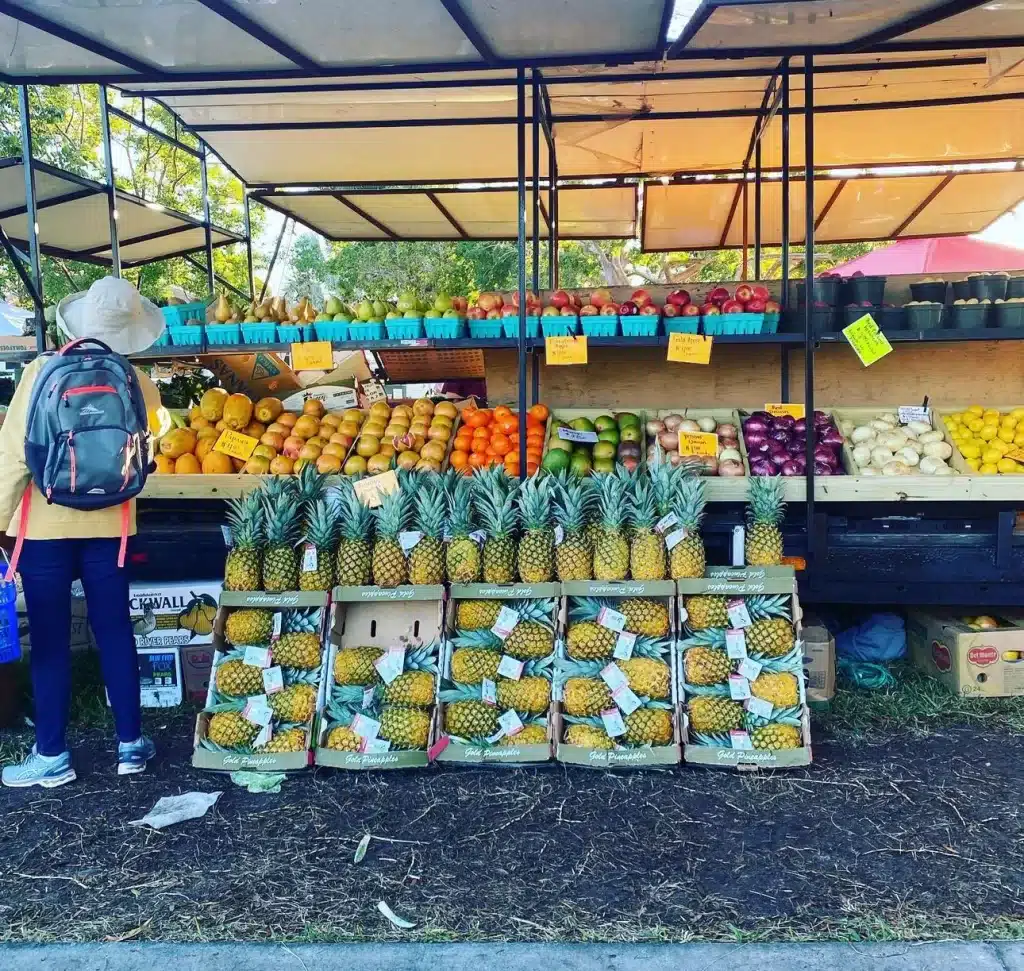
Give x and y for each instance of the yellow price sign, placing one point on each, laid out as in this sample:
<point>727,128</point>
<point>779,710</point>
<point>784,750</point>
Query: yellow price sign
<point>312,356</point>
<point>371,491</point>
<point>867,341</point>
<point>565,350</point>
<point>690,349</point>
<point>235,444</point>
<point>698,443</point>
<point>794,411</point>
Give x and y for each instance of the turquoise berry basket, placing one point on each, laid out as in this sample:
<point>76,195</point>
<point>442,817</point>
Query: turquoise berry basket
<point>683,325</point>
<point>600,326</point>
<point>444,328</point>
<point>404,328</point>
<point>510,327</point>
<point>259,333</point>
<point>223,334</point>
<point>331,330</point>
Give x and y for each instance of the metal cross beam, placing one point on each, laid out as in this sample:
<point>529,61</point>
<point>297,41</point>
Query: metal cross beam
<point>267,38</point>
<point>472,32</point>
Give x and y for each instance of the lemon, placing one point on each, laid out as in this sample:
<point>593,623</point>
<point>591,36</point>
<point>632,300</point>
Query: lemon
<point>998,445</point>
<point>987,468</point>
<point>1018,413</point>
<point>1018,439</point>
<point>976,410</point>
<point>1006,465</point>
<point>987,433</point>
<point>974,463</point>
<point>1005,434</point>
<point>991,414</point>
<point>991,456</point>
<point>976,424</point>
<point>1008,421</point>
<point>970,451</point>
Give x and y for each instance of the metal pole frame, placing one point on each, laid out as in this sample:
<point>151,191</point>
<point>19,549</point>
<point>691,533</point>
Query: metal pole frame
<point>757,211</point>
<point>808,297</point>
<point>206,221</point>
<point>108,161</point>
<point>784,291</point>
<point>521,248</point>
<point>535,182</point>
<point>248,242</point>
<point>25,112</point>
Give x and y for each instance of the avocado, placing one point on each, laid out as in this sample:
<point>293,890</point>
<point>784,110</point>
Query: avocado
<point>604,465</point>
<point>604,422</point>
<point>558,444</point>
<point>609,435</point>
<point>583,425</point>
<point>627,418</point>
<point>604,450</point>
<point>631,433</point>
<point>556,460</point>
<point>580,465</point>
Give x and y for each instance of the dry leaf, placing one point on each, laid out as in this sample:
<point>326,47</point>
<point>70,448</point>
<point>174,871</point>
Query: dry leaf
<point>390,914</point>
<point>361,849</point>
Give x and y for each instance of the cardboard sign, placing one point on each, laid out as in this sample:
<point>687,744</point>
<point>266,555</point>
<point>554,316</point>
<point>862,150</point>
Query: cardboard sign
<point>312,356</point>
<point>867,341</point>
<point>689,348</point>
<point>371,491</point>
<point>1016,453</point>
<point>795,411</point>
<point>373,391</point>
<point>909,413</point>
<point>334,398</point>
<point>235,444</point>
<point>565,350</point>
<point>698,443</point>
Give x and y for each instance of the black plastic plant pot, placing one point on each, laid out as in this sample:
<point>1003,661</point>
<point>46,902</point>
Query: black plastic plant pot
<point>925,316</point>
<point>851,314</point>
<point>971,316</point>
<point>825,290</point>
<point>824,320</point>
<point>961,290</point>
<point>987,287</point>
<point>1009,315</point>
<point>893,318</point>
<point>1015,286</point>
<point>866,289</point>
<point>935,292</point>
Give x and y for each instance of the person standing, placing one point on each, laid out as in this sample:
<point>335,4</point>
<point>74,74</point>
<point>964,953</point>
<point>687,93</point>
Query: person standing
<point>58,543</point>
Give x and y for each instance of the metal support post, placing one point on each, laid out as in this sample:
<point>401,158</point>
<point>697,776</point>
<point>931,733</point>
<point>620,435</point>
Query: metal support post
<point>206,221</point>
<point>31,215</point>
<point>808,301</point>
<point>784,296</point>
<point>535,201</point>
<point>746,228</point>
<point>757,211</point>
<point>248,243</point>
<point>552,214</point>
<point>535,381</point>
<point>108,160</point>
<point>521,243</point>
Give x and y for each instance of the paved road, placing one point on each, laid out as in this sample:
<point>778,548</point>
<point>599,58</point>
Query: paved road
<point>516,957</point>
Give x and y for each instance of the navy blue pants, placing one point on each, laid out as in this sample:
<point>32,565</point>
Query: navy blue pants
<point>48,568</point>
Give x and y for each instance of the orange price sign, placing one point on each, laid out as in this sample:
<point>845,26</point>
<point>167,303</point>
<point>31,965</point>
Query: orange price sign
<point>565,350</point>
<point>794,411</point>
<point>698,443</point>
<point>689,348</point>
<point>235,444</point>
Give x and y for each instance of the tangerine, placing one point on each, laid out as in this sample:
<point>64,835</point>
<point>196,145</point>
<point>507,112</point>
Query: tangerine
<point>540,412</point>
<point>478,418</point>
<point>480,446</point>
<point>459,458</point>
<point>508,424</point>
<point>477,460</point>
<point>502,411</point>
<point>500,444</point>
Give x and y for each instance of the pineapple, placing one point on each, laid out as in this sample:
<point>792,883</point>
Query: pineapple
<point>236,679</point>
<point>775,737</point>
<point>649,726</point>
<point>686,558</point>
<point>470,719</point>
<point>414,689</point>
<point>528,694</point>
<point>710,714</point>
<point>536,559</point>
<point>589,641</point>
<point>533,733</point>
<point>405,728</point>
<point>477,614</point>
<point>470,665</point>
<point>290,740</point>
<point>280,560</point>
<point>645,617</point>
<point>704,611</point>
<point>322,536</point>
<point>355,549</point>
<point>354,665</point>
<point>647,558</point>
<point>242,571</point>
<point>297,651</point>
<point>530,640</point>
<point>611,551</point>
<point>426,558</point>
<point>584,693</point>
<point>588,736</point>
<point>462,555</point>
<point>574,556</point>
<point>247,627</point>
<point>495,508</point>
<point>648,677</point>
<point>389,565</point>
<point>295,703</point>
<point>229,729</point>
<point>706,666</point>
<point>343,739</point>
<point>765,509</point>
<point>781,689</point>
<point>585,697</point>
<point>773,637</point>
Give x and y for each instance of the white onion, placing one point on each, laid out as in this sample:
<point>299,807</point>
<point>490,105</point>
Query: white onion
<point>669,440</point>
<point>895,468</point>
<point>730,467</point>
<point>929,466</point>
<point>880,426</point>
<point>730,455</point>
<point>908,455</point>
<point>919,427</point>
<point>890,419</point>
<point>863,433</point>
<point>654,426</point>
<point>945,470</point>
<point>707,424</point>
<point>862,455</point>
<point>932,436</point>
<point>870,471</point>
<point>673,422</point>
<point>938,450</point>
<point>846,427</point>
<point>686,425</point>
<point>880,456</point>
<point>894,441</point>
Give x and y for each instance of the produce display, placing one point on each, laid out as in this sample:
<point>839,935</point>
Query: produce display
<point>667,433</point>
<point>777,444</point>
<point>985,437</point>
<point>747,298</point>
<point>415,436</point>
<point>491,436</point>
<point>599,444</point>
<point>880,444</point>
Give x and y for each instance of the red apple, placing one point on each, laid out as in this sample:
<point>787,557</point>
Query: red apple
<point>568,311</point>
<point>744,292</point>
<point>671,310</point>
<point>855,273</point>
<point>494,315</point>
<point>693,310</point>
<point>718,296</point>
<point>678,298</point>
<point>575,300</point>
<point>650,310</point>
<point>762,293</point>
<point>476,313</point>
<point>508,311</point>
<point>531,298</point>
<point>549,312</point>
<point>755,305</point>
<point>708,309</point>
<point>460,304</point>
<point>559,299</point>
<point>628,309</point>
<point>610,309</point>
<point>589,310</point>
<point>490,301</point>
<point>600,297</point>
<point>772,307</point>
<point>641,298</point>
<point>732,307</point>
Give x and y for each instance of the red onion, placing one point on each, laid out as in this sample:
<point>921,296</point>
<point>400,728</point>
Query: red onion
<point>763,416</point>
<point>791,468</point>
<point>832,437</point>
<point>761,448</point>
<point>784,421</point>
<point>779,458</point>
<point>761,467</point>
<point>755,438</point>
<point>755,425</point>
<point>800,426</point>
<point>824,454</point>
<point>801,461</point>
<point>780,435</point>
<point>820,468</point>
<point>796,447</point>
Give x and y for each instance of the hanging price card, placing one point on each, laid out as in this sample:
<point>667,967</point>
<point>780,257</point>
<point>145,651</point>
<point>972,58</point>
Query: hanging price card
<point>794,411</point>
<point>565,350</point>
<point>698,443</point>
<point>312,356</point>
<point>371,491</point>
<point>689,348</point>
<point>235,444</point>
<point>867,341</point>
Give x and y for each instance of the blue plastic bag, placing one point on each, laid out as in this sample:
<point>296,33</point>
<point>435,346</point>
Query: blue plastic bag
<point>879,639</point>
<point>10,643</point>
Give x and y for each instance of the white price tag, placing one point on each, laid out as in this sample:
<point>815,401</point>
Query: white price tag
<point>572,435</point>
<point>739,687</point>
<point>273,680</point>
<point>365,727</point>
<point>749,668</point>
<point>309,558</point>
<point>390,664</point>
<point>278,622</point>
<point>909,413</point>
<point>258,657</point>
<point>666,522</point>
<point>509,667</point>
<point>505,623</point>
<point>613,723</point>
<point>489,692</point>
<point>374,746</point>
<point>258,711</point>
<point>374,391</point>
<point>559,536</point>
<point>511,723</point>
<point>611,619</point>
<point>759,707</point>
<point>497,736</point>
<point>675,538</point>
<point>408,540</point>
<point>740,739</point>
<point>229,540</point>
<point>478,536</point>
<point>735,643</point>
<point>626,700</point>
<point>265,734</point>
<point>611,675</point>
<point>368,696</point>
<point>737,612</point>
<point>624,645</point>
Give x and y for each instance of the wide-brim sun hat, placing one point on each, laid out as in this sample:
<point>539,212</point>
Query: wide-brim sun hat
<point>113,311</point>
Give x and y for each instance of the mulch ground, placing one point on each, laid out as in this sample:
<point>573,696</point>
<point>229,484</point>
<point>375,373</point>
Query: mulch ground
<point>910,837</point>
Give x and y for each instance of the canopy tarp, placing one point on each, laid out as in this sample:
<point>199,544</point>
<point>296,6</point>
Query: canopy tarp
<point>944,254</point>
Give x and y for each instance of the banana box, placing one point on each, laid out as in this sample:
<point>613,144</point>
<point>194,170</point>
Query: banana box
<point>179,614</point>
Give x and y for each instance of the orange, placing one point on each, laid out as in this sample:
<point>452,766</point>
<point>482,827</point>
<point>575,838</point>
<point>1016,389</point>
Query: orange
<point>502,411</point>
<point>532,423</point>
<point>540,412</point>
<point>532,468</point>
<point>478,418</point>
<point>500,445</point>
<point>479,446</point>
<point>459,459</point>
<point>509,424</point>
<point>533,455</point>
<point>535,440</point>
<point>483,431</point>
<point>478,460</point>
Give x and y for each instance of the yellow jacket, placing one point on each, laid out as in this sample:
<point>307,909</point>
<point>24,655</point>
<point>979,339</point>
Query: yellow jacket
<point>51,521</point>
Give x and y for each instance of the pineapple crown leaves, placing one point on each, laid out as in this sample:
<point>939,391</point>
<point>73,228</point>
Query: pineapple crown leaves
<point>496,512</point>
<point>392,514</point>
<point>321,524</point>
<point>717,740</point>
<point>311,485</point>
<point>663,478</point>
<point>245,517</point>
<point>356,519</point>
<point>460,507</point>
<point>568,668</point>
<point>275,488</point>
<point>610,502</point>
<point>687,500</point>
<point>573,502</point>
<point>485,639</point>
<point>764,500</point>
<point>588,608</point>
<point>714,638</point>
<point>282,525</point>
<point>779,716</point>
<point>301,621</point>
<point>535,503</point>
<point>642,509</point>
<point>463,692</point>
<point>431,509</point>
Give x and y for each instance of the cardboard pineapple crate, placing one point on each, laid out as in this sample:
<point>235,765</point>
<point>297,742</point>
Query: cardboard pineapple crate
<point>447,750</point>
<point>746,582</point>
<point>654,757</point>
<point>359,619</point>
<point>969,662</point>
<point>252,762</point>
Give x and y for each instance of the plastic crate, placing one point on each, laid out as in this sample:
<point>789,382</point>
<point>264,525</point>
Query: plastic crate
<point>259,333</point>
<point>823,290</point>
<point>1015,286</point>
<point>294,333</point>
<point>552,326</point>
<point>600,326</point>
<point>925,316</point>
<point>771,323</point>
<point>184,312</point>
<point>404,328</point>
<point>851,314</point>
<point>164,340</point>
<point>510,327</point>
<point>1009,315</point>
<point>642,325</point>
<point>223,333</point>
<point>893,318</point>
<point>365,332</point>
<point>988,287</point>
<point>445,328</point>
<point>331,330</point>
<point>866,289</point>
<point>485,330</point>
<point>935,291</point>
<point>186,335</point>
<point>690,324</point>
<point>733,323</point>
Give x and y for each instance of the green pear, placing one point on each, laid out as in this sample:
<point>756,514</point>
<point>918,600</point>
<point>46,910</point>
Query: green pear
<point>408,301</point>
<point>392,315</point>
<point>333,306</point>
<point>379,309</point>
<point>365,310</point>
<point>433,314</point>
<point>442,302</point>
<point>322,317</point>
<point>343,318</point>
<point>450,314</point>
<point>412,314</point>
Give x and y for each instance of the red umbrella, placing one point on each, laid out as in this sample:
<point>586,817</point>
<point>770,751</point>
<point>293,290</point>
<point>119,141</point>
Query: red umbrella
<point>942,254</point>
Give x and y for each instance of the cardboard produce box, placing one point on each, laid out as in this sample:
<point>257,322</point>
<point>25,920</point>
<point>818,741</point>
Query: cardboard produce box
<point>969,662</point>
<point>196,665</point>
<point>175,614</point>
<point>819,663</point>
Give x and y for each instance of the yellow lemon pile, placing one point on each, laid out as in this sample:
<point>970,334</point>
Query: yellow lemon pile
<point>985,435</point>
